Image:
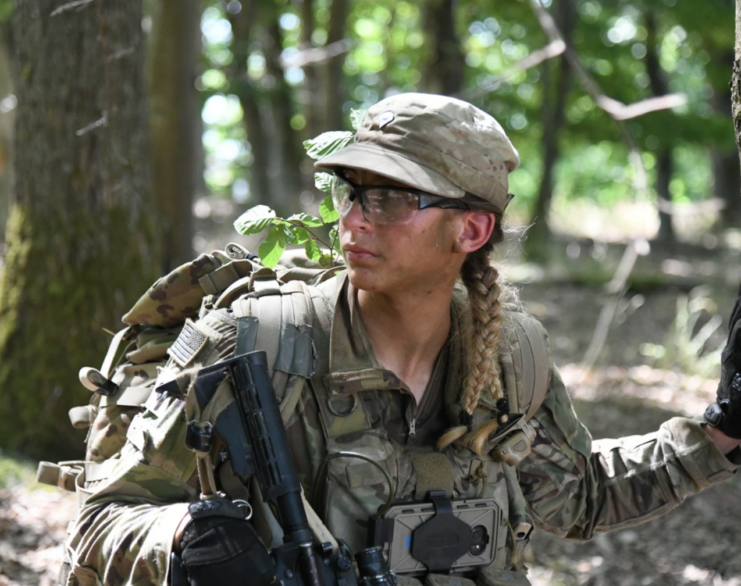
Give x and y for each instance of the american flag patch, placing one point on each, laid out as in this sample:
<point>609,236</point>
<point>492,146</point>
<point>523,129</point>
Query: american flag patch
<point>189,343</point>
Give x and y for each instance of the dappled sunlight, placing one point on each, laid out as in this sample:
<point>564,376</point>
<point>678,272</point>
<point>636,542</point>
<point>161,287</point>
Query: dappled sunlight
<point>663,389</point>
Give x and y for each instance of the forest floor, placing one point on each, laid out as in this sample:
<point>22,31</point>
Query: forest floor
<point>626,392</point>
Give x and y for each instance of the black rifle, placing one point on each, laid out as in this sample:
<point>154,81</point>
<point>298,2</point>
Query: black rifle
<point>301,560</point>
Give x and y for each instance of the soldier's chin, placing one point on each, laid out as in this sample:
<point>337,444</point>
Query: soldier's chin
<point>364,278</point>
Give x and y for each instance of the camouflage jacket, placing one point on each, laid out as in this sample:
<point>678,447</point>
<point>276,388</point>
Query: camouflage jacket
<point>571,485</point>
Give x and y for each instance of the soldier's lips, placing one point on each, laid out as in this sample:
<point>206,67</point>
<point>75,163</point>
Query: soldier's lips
<point>358,254</point>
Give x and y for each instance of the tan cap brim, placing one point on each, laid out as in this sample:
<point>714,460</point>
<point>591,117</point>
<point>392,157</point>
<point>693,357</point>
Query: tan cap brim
<point>392,165</point>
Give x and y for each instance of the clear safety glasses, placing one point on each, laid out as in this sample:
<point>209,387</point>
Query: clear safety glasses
<point>386,205</point>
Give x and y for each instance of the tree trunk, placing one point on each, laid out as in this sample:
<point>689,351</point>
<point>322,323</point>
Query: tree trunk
<point>173,114</point>
<point>275,176</point>
<point>7,121</point>
<point>736,80</point>
<point>727,187</point>
<point>554,107</point>
<point>81,243</point>
<point>664,162</point>
<point>444,71</point>
<point>244,88</point>
<point>336,92</point>
<point>310,93</point>
<point>726,169</point>
<point>277,110</point>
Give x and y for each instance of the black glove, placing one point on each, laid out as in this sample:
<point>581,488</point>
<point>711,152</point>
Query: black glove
<point>725,413</point>
<point>220,547</point>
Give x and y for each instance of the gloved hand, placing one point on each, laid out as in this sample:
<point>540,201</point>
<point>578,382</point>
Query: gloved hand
<point>219,547</point>
<point>725,413</point>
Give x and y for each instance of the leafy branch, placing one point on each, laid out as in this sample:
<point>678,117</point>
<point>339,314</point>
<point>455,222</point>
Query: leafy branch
<point>300,228</point>
<point>297,229</point>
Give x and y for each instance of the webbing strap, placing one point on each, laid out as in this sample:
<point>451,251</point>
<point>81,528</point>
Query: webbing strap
<point>62,475</point>
<point>269,312</point>
<point>82,493</point>
<point>82,417</point>
<point>534,364</point>
<point>294,387</point>
<point>99,470</point>
<point>219,280</point>
<point>115,351</point>
<point>247,327</point>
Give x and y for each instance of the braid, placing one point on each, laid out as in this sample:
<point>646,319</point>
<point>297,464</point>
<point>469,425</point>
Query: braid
<point>480,279</point>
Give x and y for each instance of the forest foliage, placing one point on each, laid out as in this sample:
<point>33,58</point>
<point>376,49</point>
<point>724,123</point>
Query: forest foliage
<point>385,47</point>
<point>255,81</point>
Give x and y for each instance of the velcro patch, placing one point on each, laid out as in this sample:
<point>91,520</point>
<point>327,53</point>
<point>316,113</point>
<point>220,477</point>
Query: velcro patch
<point>189,343</point>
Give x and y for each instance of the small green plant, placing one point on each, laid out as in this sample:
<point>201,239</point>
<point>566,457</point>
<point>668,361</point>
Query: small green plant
<point>303,228</point>
<point>687,347</point>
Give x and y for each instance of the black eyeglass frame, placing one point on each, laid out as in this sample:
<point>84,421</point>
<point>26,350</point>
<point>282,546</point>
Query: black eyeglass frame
<point>424,198</point>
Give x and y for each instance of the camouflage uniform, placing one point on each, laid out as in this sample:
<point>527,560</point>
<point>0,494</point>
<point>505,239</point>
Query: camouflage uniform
<point>573,486</point>
<point>568,485</point>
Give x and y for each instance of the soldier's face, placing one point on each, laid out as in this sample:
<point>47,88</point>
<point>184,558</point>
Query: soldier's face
<point>416,254</point>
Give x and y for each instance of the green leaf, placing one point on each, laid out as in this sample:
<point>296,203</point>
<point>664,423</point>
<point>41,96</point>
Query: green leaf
<point>301,235</point>
<point>327,211</point>
<point>306,220</point>
<point>254,220</point>
<point>326,260</point>
<point>313,252</point>
<point>271,249</point>
<point>327,143</point>
<point>323,182</point>
<point>290,234</point>
<point>356,118</point>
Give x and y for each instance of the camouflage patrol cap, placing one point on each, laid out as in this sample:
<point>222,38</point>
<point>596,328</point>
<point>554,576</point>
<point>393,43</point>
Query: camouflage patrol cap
<point>435,143</point>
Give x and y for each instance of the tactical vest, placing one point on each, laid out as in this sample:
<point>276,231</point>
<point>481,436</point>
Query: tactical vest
<point>357,488</point>
<point>278,312</point>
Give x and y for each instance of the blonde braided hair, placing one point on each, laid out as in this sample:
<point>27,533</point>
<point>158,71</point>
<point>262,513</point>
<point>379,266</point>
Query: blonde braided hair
<point>480,279</point>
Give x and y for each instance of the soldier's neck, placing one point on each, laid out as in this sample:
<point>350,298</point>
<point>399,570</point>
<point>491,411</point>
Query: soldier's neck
<point>408,332</point>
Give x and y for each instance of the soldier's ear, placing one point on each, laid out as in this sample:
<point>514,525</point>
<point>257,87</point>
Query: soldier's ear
<point>475,228</point>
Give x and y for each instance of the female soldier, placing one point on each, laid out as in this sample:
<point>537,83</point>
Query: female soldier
<point>409,374</point>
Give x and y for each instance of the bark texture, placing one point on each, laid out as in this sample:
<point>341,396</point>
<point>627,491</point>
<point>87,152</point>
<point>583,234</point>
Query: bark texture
<point>275,174</point>
<point>244,87</point>
<point>7,121</point>
<point>81,244</point>
<point>173,116</point>
<point>664,161</point>
<point>444,71</point>
<point>554,111</point>
<point>335,87</point>
<point>736,80</point>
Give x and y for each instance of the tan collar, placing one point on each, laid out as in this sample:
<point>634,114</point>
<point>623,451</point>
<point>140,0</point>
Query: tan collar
<point>352,363</point>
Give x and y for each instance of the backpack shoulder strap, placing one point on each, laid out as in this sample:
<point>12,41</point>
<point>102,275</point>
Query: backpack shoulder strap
<point>279,317</point>
<point>530,352</point>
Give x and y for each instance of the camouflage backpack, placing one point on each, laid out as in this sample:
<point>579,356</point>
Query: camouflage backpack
<point>136,353</point>
<point>282,299</point>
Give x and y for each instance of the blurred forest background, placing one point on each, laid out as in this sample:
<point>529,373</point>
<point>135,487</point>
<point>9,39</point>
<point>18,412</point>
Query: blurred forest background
<point>132,135</point>
<point>140,130</point>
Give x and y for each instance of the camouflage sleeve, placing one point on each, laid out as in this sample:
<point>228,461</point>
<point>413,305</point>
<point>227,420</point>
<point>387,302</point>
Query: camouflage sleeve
<point>576,487</point>
<point>125,530</point>
<point>125,543</point>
